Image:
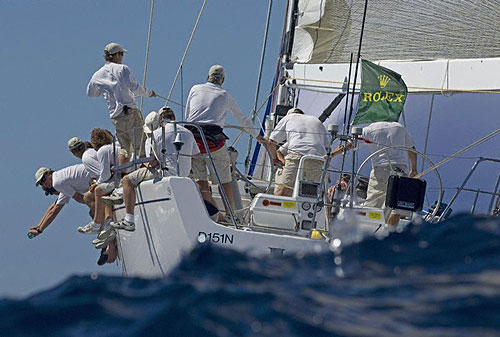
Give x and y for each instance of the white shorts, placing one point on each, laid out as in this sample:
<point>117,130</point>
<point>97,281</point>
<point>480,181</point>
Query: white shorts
<point>222,164</point>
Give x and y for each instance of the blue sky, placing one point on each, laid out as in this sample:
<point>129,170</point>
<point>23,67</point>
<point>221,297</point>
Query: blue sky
<point>50,49</point>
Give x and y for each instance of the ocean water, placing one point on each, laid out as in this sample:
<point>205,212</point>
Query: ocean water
<point>431,280</point>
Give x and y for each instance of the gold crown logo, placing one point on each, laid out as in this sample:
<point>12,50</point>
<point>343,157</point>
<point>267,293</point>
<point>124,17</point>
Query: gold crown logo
<point>383,80</point>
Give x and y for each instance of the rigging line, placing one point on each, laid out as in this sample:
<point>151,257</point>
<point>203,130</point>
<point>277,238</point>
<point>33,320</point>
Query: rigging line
<point>427,132</point>
<point>255,114</point>
<point>170,101</point>
<point>259,77</point>
<point>468,147</point>
<point>186,50</point>
<point>357,62</point>
<point>147,49</point>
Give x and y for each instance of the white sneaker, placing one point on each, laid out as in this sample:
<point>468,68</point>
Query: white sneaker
<point>124,224</point>
<point>103,243</point>
<point>113,199</point>
<point>105,233</point>
<point>90,228</point>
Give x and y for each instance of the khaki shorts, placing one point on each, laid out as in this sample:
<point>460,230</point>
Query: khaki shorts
<point>129,131</point>
<point>377,188</point>
<point>142,174</point>
<point>107,187</point>
<point>222,164</point>
<point>312,170</point>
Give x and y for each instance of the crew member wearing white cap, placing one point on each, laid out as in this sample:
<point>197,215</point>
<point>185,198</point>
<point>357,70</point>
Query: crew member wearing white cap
<point>86,153</point>
<point>118,85</point>
<point>107,157</point>
<point>304,135</point>
<point>66,183</point>
<point>153,148</point>
<point>208,104</point>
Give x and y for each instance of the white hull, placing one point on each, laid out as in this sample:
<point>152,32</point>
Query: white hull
<point>171,219</point>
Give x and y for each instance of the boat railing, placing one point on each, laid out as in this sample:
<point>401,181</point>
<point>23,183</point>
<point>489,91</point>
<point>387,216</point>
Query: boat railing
<point>134,162</point>
<point>462,188</point>
<point>354,180</point>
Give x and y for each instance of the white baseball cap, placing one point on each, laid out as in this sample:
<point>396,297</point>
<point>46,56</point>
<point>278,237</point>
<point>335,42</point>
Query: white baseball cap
<point>39,174</point>
<point>113,48</point>
<point>151,122</point>
<point>216,71</point>
<point>74,142</point>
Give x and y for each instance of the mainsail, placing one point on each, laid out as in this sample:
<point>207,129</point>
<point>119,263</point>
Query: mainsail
<point>445,45</point>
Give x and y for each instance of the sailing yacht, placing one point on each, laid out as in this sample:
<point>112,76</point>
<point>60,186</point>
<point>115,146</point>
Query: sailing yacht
<point>440,49</point>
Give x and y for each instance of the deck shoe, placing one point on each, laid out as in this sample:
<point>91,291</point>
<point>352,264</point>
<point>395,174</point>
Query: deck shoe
<point>103,258</point>
<point>124,224</point>
<point>113,199</point>
<point>103,243</point>
<point>105,233</point>
<point>90,228</point>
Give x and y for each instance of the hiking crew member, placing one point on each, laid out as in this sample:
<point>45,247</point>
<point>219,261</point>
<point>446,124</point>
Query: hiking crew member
<point>208,104</point>
<point>305,135</point>
<point>70,182</point>
<point>380,135</point>
<point>149,170</point>
<point>107,157</point>
<point>86,153</point>
<point>118,85</point>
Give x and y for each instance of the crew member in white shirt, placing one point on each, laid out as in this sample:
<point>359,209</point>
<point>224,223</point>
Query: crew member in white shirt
<point>208,104</point>
<point>153,148</point>
<point>118,85</point>
<point>304,135</point>
<point>70,182</point>
<point>107,157</point>
<point>381,135</point>
<point>86,153</point>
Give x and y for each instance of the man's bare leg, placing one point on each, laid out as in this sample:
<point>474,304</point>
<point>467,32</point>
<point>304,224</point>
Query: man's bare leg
<point>393,220</point>
<point>206,195</point>
<point>228,188</point>
<point>112,252</point>
<point>89,200</point>
<point>128,195</point>
<point>100,206</point>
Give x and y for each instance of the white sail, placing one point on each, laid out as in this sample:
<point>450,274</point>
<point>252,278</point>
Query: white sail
<point>436,46</point>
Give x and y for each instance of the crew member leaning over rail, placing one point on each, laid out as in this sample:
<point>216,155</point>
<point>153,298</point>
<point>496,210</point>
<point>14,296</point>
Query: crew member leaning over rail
<point>208,104</point>
<point>85,151</point>
<point>151,169</point>
<point>107,157</point>
<point>70,182</point>
<point>118,85</point>
<point>304,135</point>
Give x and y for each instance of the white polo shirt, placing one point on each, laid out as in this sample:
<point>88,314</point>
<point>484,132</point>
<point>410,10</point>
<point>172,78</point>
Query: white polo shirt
<point>89,160</point>
<point>379,135</point>
<point>189,148</point>
<point>106,160</point>
<point>304,134</point>
<point>118,86</point>
<point>208,103</point>
<point>69,180</point>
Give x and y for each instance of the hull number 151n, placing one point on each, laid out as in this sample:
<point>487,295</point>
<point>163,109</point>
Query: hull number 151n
<point>215,238</point>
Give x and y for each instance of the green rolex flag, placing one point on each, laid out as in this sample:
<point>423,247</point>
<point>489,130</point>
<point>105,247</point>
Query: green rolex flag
<point>382,95</point>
